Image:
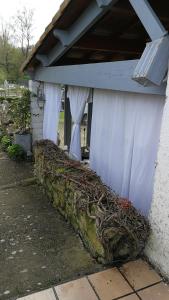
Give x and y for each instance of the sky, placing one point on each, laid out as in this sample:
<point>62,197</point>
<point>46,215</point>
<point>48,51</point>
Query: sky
<point>44,10</point>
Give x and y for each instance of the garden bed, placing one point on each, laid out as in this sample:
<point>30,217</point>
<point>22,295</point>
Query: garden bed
<point>110,227</point>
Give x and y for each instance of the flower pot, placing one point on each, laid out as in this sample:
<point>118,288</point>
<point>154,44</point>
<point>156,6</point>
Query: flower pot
<point>24,140</point>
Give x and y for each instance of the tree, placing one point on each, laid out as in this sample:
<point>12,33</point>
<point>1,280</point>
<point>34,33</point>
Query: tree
<point>5,47</point>
<point>11,56</point>
<point>2,75</point>
<point>23,27</point>
<point>15,44</point>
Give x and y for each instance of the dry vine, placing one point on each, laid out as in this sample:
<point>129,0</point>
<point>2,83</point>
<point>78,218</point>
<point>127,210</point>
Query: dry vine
<point>111,212</point>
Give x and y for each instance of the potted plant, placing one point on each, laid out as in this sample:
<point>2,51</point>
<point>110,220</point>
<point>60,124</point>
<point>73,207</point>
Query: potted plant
<point>22,118</point>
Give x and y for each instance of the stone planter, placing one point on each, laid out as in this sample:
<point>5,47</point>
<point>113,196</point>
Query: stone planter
<point>24,140</point>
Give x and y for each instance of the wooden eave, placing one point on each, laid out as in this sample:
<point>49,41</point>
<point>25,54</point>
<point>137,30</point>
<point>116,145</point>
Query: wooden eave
<point>117,35</point>
<point>65,16</point>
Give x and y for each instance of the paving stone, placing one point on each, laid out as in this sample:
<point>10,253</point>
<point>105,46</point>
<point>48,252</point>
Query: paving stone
<point>131,297</point>
<point>44,295</point>
<point>76,290</point>
<point>110,284</point>
<point>156,292</point>
<point>140,274</point>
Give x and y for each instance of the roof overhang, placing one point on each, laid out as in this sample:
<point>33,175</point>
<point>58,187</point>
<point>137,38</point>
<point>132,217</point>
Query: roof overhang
<point>79,29</point>
<point>62,35</point>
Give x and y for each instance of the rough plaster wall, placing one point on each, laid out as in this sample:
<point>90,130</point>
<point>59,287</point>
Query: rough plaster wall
<point>37,113</point>
<point>157,249</point>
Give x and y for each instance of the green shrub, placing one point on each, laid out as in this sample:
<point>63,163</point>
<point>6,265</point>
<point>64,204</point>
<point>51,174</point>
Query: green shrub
<point>20,112</point>
<point>16,152</point>
<point>5,142</point>
<point>9,99</point>
<point>1,134</point>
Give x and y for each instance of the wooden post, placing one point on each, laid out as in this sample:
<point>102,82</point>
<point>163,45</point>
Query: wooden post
<point>67,121</point>
<point>89,122</point>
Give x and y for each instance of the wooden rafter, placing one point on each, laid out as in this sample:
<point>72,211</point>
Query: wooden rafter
<point>108,44</point>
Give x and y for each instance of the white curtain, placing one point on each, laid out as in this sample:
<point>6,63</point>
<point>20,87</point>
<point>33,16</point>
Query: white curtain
<point>51,111</point>
<point>78,97</point>
<point>124,142</point>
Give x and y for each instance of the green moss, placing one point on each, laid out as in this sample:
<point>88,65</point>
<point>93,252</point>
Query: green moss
<point>60,170</point>
<point>88,230</point>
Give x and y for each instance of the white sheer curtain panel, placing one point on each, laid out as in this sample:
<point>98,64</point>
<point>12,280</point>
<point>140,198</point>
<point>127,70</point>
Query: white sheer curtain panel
<point>124,143</point>
<point>51,111</point>
<point>78,97</point>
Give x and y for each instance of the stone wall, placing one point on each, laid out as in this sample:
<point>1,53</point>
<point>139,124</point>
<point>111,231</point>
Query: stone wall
<point>37,113</point>
<point>111,229</point>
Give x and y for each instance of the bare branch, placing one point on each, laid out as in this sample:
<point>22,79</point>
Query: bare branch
<point>23,28</point>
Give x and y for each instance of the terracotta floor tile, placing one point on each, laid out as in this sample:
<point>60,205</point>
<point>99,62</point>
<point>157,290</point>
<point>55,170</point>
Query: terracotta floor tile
<point>156,292</point>
<point>110,284</point>
<point>131,297</point>
<point>140,274</point>
<point>44,295</point>
<point>76,290</point>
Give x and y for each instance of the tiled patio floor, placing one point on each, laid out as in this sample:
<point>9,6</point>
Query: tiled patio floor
<point>133,281</point>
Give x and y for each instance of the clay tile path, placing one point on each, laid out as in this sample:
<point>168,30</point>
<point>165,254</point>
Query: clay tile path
<point>133,281</point>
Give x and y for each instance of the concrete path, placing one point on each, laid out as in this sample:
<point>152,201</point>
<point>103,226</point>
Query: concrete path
<point>38,249</point>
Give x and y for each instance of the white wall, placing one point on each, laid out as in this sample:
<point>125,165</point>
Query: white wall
<point>37,113</point>
<point>158,246</point>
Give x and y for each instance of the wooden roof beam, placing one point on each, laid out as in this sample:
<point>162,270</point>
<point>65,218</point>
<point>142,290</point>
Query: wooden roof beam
<point>148,18</point>
<point>67,38</point>
<point>103,3</point>
<point>115,76</point>
<point>62,36</point>
<point>43,59</point>
<point>153,65</point>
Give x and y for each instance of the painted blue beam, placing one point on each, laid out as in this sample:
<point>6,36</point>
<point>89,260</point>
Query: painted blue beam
<point>115,76</point>
<point>149,19</point>
<point>63,36</point>
<point>153,65</point>
<point>43,59</point>
<point>88,18</point>
<point>103,3</point>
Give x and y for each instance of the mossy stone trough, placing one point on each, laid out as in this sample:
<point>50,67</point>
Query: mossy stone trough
<point>109,226</point>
